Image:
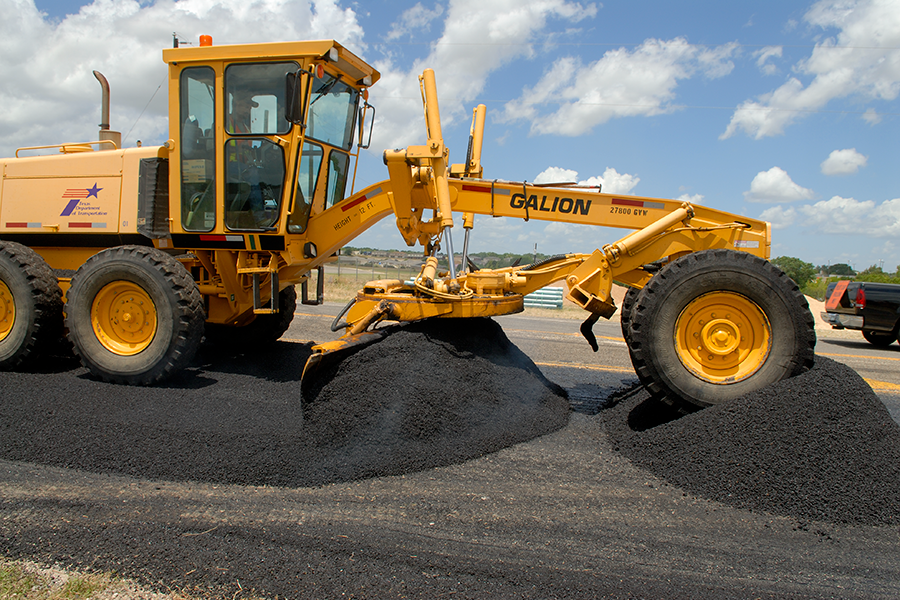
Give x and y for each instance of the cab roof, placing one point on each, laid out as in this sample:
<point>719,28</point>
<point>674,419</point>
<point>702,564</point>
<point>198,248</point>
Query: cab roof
<point>347,62</point>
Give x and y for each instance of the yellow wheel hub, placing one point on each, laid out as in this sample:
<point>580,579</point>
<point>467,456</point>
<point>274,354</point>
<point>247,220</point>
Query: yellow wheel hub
<point>7,311</point>
<point>723,337</point>
<point>124,318</point>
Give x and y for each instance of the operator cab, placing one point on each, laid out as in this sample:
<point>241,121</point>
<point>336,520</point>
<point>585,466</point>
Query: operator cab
<point>273,139</point>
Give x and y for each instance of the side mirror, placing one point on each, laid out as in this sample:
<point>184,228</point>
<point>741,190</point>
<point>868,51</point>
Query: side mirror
<point>363,111</point>
<point>294,88</point>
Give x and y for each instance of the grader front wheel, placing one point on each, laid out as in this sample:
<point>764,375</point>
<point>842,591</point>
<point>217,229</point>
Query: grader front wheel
<point>723,337</point>
<point>134,315</point>
<point>717,324</point>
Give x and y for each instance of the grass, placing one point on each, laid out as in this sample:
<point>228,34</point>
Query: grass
<point>26,581</point>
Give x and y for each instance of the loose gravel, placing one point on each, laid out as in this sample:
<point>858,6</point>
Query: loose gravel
<point>563,516</point>
<point>429,395</point>
<point>817,446</point>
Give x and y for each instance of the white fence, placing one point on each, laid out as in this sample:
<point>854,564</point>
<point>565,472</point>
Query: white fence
<point>548,297</point>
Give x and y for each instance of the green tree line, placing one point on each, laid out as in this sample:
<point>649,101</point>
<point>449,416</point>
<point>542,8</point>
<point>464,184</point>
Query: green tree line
<point>808,277</point>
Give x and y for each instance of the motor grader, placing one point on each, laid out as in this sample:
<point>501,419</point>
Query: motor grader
<point>134,254</point>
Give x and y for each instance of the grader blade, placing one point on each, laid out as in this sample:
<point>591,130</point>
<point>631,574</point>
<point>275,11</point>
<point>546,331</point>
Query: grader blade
<point>328,354</point>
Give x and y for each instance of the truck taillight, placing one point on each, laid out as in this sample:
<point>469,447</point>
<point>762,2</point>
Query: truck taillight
<point>860,297</point>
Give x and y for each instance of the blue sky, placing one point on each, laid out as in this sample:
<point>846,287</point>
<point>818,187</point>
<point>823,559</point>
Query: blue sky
<point>782,110</point>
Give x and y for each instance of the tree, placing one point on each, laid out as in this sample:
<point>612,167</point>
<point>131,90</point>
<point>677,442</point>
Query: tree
<point>841,269</point>
<point>801,272</point>
<point>877,274</point>
<point>873,270</point>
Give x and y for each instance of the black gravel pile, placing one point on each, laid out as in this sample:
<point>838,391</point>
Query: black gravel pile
<point>817,446</point>
<point>432,394</point>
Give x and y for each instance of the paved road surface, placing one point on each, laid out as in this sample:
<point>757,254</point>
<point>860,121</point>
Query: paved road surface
<point>561,516</point>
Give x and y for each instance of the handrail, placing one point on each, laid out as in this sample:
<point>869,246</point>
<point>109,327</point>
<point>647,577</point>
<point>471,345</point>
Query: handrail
<point>67,145</point>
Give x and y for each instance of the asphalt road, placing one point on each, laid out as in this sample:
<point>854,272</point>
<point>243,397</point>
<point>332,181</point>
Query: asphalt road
<point>561,516</point>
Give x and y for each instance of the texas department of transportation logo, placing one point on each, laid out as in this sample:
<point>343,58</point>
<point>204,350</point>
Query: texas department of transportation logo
<point>79,202</point>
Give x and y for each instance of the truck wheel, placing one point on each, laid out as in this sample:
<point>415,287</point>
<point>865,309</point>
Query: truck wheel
<point>264,329</point>
<point>134,314</point>
<point>882,339</point>
<point>30,305</point>
<point>717,324</point>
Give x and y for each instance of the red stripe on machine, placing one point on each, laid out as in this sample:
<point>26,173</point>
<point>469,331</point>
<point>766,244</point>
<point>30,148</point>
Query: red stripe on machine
<point>360,200</point>
<point>475,188</point>
<point>221,238</point>
<point>624,202</point>
<point>81,225</point>
<point>350,205</point>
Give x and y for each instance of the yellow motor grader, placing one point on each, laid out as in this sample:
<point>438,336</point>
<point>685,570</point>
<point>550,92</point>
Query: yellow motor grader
<point>134,254</point>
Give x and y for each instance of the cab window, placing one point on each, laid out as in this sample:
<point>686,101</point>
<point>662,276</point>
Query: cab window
<point>338,163</point>
<point>307,179</point>
<point>254,179</point>
<point>332,111</point>
<point>254,164</point>
<point>198,152</point>
<point>255,98</point>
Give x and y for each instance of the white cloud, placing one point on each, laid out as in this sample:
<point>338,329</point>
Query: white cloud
<point>851,216</point>
<point>611,182</point>
<point>763,56</point>
<point>478,38</point>
<point>774,186</point>
<point>622,83</point>
<point>871,117</point>
<point>692,198</point>
<point>845,216</point>
<point>779,216</point>
<point>557,175</point>
<point>843,162</point>
<point>50,96</point>
<point>416,19</point>
<point>861,60</point>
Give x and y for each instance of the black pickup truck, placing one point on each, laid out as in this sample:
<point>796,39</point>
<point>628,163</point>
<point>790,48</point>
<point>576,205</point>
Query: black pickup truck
<point>873,308</point>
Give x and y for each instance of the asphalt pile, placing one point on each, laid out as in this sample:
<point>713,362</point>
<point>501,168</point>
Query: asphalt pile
<point>433,393</point>
<point>430,394</point>
<point>819,446</point>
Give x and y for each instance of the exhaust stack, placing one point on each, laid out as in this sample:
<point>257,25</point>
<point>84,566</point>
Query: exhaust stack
<point>105,132</point>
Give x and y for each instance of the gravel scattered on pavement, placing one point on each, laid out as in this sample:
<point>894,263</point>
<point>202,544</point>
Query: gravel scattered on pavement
<point>820,445</point>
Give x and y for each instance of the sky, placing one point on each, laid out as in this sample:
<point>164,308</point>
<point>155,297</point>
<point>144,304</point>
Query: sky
<point>775,109</point>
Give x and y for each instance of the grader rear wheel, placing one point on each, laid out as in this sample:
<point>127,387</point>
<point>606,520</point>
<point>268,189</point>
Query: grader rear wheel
<point>134,315</point>
<point>717,324</point>
<point>30,305</point>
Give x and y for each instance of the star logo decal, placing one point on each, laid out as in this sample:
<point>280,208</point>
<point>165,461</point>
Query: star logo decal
<point>92,191</point>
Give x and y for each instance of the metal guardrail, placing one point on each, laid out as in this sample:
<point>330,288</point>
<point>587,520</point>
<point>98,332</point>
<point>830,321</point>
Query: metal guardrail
<point>548,297</point>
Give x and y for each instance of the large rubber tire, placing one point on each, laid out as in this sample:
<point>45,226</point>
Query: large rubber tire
<point>263,330</point>
<point>134,315</point>
<point>30,306</point>
<point>882,339</point>
<point>714,325</point>
<point>625,311</point>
